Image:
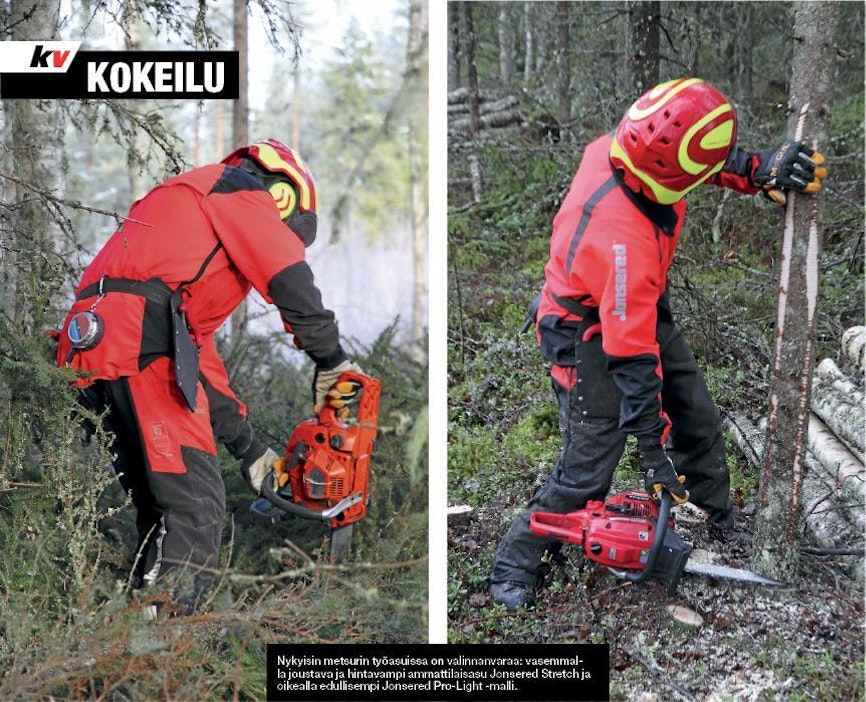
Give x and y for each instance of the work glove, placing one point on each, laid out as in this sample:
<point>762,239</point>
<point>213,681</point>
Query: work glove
<point>790,166</point>
<point>659,474</point>
<point>343,394</point>
<point>255,468</point>
<point>337,395</point>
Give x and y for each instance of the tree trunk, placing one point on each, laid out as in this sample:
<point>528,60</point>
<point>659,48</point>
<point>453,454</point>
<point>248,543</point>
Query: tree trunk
<point>296,104</point>
<point>776,534</point>
<point>693,12</point>
<point>643,48</point>
<point>196,135</point>
<point>34,144</point>
<point>468,43</point>
<point>544,15</point>
<point>417,72</point>
<point>240,127</point>
<point>745,37</point>
<point>30,277</point>
<point>218,134</point>
<point>455,78</point>
<point>135,159</point>
<point>506,44</point>
<point>529,44</point>
<point>563,68</point>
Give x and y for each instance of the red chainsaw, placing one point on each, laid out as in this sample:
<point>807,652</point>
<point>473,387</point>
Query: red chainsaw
<point>324,473</point>
<point>633,535</point>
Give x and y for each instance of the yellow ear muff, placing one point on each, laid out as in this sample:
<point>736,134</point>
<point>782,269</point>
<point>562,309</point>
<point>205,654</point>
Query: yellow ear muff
<point>285,197</point>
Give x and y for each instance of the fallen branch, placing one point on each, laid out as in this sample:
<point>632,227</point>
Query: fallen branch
<point>834,551</point>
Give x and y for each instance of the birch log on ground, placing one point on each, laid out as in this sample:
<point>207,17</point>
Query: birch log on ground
<point>840,403</point>
<point>503,118</point>
<point>854,345</point>
<point>841,480</point>
<point>834,485</point>
<point>485,106</point>
<point>462,95</point>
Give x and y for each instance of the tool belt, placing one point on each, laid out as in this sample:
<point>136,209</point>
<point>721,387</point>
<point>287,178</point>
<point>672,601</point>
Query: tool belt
<point>166,304</point>
<point>183,350</point>
<point>154,289</point>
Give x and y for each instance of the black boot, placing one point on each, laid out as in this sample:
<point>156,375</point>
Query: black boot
<point>513,595</point>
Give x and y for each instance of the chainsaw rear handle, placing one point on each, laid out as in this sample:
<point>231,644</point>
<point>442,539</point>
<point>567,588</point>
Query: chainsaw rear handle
<point>658,542</point>
<point>324,515</point>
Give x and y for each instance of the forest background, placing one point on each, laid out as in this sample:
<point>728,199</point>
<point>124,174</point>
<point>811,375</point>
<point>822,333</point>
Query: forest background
<point>347,86</point>
<point>530,84</point>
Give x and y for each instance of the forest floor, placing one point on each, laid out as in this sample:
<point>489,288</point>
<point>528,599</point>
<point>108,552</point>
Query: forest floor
<point>800,642</point>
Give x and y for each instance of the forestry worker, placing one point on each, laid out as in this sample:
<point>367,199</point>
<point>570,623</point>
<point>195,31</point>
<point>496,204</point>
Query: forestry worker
<point>141,333</point>
<point>620,365</point>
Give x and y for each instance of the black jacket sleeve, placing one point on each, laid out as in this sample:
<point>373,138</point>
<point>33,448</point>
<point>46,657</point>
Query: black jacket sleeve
<point>296,296</point>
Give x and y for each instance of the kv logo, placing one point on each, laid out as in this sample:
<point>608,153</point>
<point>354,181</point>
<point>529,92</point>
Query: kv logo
<point>40,57</point>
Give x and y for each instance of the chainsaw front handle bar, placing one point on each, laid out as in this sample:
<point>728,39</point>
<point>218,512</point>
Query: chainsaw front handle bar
<point>324,515</point>
<point>658,542</point>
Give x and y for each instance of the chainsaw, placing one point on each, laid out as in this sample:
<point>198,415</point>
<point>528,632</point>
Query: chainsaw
<point>324,473</point>
<point>633,535</point>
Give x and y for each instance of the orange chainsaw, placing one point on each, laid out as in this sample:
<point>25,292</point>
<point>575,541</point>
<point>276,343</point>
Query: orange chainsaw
<point>324,473</point>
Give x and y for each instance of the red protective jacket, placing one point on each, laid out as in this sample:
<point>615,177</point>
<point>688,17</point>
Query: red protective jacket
<point>610,251</point>
<point>217,214</point>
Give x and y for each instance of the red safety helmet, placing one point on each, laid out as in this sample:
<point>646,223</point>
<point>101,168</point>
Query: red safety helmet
<point>287,179</point>
<point>673,138</point>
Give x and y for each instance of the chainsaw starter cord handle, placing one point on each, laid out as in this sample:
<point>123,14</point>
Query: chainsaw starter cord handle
<point>658,542</point>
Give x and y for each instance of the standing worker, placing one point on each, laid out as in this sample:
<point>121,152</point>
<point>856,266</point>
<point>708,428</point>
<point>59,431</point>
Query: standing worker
<point>141,334</point>
<point>620,365</point>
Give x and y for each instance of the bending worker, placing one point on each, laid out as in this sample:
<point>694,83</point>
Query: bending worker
<point>620,365</point>
<point>141,333</point>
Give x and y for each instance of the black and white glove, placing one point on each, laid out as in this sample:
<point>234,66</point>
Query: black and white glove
<point>256,467</point>
<point>789,166</point>
<point>660,474</point>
